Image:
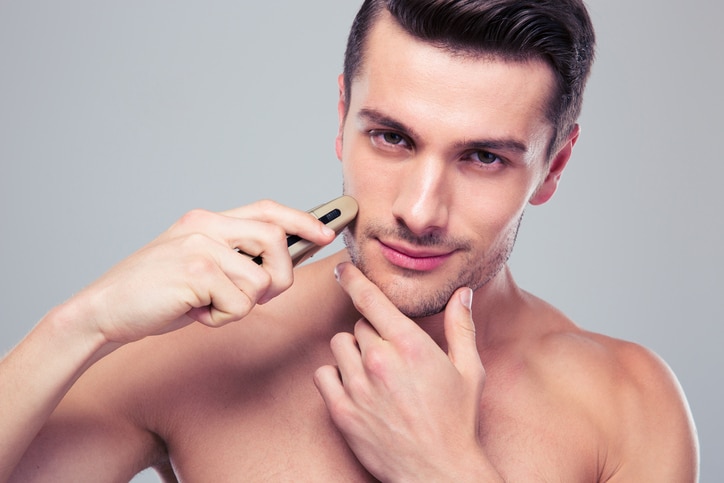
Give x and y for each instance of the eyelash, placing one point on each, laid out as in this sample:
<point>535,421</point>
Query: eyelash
<point>379,139</point>
<point>483,156</point>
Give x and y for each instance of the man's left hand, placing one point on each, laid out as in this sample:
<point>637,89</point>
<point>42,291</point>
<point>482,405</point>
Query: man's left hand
<point>407,409</point>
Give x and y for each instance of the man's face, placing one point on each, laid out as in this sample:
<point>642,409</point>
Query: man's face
<point>442,152</point>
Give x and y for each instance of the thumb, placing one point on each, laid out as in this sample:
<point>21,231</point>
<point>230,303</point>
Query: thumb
<point>460,333</point>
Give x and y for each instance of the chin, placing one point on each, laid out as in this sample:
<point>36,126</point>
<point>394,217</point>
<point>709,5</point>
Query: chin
<point>415,294</point>
<point>416,298</point>
<point>419,294</point>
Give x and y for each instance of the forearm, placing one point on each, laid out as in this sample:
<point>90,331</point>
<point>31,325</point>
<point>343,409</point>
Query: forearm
<point>36,375</point>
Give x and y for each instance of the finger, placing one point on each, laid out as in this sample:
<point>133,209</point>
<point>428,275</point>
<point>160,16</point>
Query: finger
<point>329,385</point>
<point>260,283</point>
<point>218,282</point>
<point>269,243</point>
<point>365,334</point>
<point>347,355</point>
<point>293,221</point>
<point>223,309</point>
<point>460,333</point>
<point>251,225</point>
<point>369,300</point>
<point>219,233</point>
<point>220,301</point>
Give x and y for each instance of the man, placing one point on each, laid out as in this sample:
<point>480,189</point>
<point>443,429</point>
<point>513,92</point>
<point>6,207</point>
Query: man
<point>453,117</point>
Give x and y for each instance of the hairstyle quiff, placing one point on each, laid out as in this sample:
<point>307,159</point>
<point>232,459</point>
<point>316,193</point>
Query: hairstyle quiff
<point>558,32</point>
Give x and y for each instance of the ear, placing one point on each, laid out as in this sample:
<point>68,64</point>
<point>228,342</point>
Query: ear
<point>341,112</point>
<point>555,169</point>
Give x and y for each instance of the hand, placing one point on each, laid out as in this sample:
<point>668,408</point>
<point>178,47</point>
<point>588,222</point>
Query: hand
<point>192,272</point>
<point>407,410</point>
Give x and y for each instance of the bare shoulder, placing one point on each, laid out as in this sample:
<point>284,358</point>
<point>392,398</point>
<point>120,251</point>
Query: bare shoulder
<point>126,410</point>
<point>632,394</point>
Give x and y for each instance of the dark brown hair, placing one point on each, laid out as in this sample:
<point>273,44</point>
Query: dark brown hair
<point>558,32</point>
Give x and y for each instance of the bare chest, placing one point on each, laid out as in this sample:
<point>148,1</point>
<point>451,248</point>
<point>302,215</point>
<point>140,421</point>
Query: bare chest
<point>537,433</point>
<point>264,429</point>
<point>282,432</point>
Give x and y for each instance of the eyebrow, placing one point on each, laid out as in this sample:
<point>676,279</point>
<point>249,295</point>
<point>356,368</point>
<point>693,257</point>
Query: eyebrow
<point>504,144</point>
<point>495,145</point>
<point>376,117</point>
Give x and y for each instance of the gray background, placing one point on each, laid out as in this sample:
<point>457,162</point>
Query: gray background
<point>117,117</point>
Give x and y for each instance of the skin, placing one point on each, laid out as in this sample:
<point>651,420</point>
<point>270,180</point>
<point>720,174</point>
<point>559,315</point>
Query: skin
<point>494,385</point>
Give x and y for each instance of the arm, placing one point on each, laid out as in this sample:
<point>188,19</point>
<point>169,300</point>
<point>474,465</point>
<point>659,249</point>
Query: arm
<point>409,411</point>
<point>190,273</point>
<point>657,432</point>
<point>35,376</point>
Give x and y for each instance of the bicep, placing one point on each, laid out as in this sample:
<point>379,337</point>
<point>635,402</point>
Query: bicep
<point>78,446</point>
<point>93,435</point>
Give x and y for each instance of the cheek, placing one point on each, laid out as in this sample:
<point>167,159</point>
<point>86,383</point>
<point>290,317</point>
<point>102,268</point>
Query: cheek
<point>490,213</point>
<point>364,176</point>
<point>361,183</point>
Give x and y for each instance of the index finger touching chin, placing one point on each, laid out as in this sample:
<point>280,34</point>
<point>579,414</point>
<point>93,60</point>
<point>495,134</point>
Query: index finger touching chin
<point>372,303</point>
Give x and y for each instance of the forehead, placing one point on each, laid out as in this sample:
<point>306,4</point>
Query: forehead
<point>407,76</point>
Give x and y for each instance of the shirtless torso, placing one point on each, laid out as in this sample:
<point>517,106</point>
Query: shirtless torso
<point>422,361</point>
<point>239,403</point>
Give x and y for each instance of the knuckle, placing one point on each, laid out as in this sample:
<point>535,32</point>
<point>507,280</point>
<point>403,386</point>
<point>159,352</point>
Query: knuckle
<point>195,240</point>
<point>277,234</point>
<point>285,280</point>
<point>343,412</point>
<point>467,328</point>
<point>374,360</point>
<point>241,307</point>
<point>261,281</point>
<point>231,311</point>
<point>409,349</point>
<point>193,217</point>
<point>199,267</point>
<point>266,205</point>
<point>339,340</point>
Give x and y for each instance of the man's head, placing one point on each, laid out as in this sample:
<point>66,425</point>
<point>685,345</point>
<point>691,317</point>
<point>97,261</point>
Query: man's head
<point>559,32</point>
<point>444,145</point>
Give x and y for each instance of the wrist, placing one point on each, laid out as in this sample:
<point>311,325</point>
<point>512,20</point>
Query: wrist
<point>73,324</point>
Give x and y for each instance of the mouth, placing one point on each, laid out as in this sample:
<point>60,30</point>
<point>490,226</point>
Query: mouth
<point>413,258</point>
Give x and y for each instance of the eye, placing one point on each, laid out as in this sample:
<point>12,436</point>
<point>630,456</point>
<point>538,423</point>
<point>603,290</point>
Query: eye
<point>388,139</point>
<point>392,138</point>
<point>486,157</point>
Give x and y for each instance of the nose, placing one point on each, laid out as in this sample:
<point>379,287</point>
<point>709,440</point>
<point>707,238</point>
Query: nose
<point>422,198</point>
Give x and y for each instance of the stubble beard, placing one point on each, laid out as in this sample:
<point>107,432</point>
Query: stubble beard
<point>411,298</point>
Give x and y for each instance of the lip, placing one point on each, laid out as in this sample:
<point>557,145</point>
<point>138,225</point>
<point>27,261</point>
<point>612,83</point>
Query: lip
<point>413,258</point>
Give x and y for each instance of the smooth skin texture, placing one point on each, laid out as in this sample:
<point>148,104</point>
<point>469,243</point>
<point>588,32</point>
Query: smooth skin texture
<point>189,273</point>
<point>496,386</point>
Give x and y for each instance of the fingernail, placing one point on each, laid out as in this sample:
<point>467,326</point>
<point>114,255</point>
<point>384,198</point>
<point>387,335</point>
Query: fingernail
<point>466,297</point>
<point>336,272</point>
<point>327,231</point>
